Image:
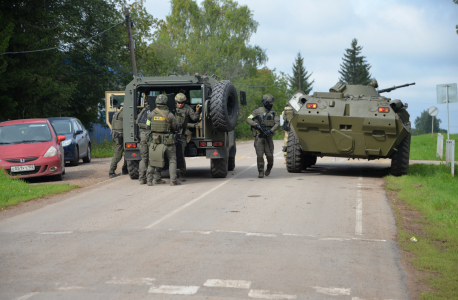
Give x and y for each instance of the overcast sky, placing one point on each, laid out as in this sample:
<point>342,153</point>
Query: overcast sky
<point>404,42</point>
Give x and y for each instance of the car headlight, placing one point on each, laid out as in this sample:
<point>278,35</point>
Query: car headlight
<point>66,143</point>
<point>51,152</point>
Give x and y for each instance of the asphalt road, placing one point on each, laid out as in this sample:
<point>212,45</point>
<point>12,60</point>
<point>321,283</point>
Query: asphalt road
<point>327,233</point>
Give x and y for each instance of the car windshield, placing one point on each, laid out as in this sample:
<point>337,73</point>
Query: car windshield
<point>62,127</point>
<point>25,133</point>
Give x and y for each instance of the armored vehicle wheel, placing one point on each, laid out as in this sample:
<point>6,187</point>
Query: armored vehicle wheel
<point>231,164</point>
<point>132,168</point>
<point>400,159</point>
<point>294,156</point>
<point>219,167</point>
<point>224,106</point>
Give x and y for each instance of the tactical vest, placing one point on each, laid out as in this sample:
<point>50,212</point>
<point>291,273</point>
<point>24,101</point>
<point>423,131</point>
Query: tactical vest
<point>116,123</point>
<point>158,122</point>
<point>268,119</point>
<point>181,117</point>
<point>141,121</point>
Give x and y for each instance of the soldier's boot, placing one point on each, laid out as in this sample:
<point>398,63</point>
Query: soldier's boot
<point>111,175</point>
<point>261,174</point>
<point>160,181</point>
<point>181,176</point>
<point>176,182</point>
<point>142,181</point>
<point>149,183</point>
<point>270,164</point>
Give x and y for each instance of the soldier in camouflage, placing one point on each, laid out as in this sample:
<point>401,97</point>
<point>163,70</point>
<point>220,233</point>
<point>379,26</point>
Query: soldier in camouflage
<point>183,113</point>
<point>116,133</point>
<point>162,124</point>
<point>263,142</point>
<point>141,122</point>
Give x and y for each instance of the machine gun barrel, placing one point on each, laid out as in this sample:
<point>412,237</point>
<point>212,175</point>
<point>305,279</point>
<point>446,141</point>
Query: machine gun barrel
<point>394,87</point>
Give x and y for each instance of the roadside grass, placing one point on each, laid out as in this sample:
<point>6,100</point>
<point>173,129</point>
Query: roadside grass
<point>14,190</point>
<point>423,147</point>
<point>430,190</point>
<point>103,149</point>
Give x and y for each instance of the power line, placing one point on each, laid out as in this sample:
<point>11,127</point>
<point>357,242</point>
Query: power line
<point>67,45</point>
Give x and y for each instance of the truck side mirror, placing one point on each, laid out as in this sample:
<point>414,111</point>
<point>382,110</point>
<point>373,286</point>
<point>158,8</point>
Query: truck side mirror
<point>243,98</point>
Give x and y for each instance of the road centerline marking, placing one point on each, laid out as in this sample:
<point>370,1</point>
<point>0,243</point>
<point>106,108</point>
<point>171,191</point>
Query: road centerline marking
<point>239,284</point>
<point>196,199</point>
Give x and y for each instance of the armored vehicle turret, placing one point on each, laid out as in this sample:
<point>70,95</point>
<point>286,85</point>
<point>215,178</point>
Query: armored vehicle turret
<point>352,121</point>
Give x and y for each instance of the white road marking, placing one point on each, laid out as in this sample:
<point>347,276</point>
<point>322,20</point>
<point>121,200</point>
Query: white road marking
<point>196,199</point>
<point>196,231</point>
<point>228,231</point>
<point>369,240</point>
<point>293,234</point>
<point>332,291</point>
<point>56,232</point>
<point>333,239</point>
<point>261,234</point>
<point>359,210</point>
<point>174,290</point>
<point>69,288</point>
<point>27,296</point>
<point>278,153</point>
<point>265,294</point>
<point>132,281</point>
<point>239,284</point>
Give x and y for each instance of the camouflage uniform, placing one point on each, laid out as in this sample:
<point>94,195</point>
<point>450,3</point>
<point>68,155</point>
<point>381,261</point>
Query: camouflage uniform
<point>263,144</point>
<point>287,116</point>
<point>116,132</point>
<point>162,124</point>
<point>141,121</point>
<point>182,115</point>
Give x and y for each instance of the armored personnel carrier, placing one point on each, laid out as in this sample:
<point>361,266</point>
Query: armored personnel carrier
<point>212,136</point>
<point>352,121</point>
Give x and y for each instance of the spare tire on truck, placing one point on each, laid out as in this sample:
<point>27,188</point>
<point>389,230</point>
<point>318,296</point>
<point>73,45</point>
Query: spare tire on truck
<point>133,168</point>
<point>224,106</point>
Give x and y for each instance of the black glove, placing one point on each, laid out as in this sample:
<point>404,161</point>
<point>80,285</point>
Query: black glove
<point>258,127</point>
<point>268,133</point>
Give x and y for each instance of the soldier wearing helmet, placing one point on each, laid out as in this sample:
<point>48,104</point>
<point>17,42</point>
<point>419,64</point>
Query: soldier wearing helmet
<point>264,121</point>
<point>116,133</point>
<point>141,122</point>
<point>162,124</point>
<point>182,114</point>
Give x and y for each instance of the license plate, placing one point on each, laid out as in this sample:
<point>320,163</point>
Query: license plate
<point>23,168</point>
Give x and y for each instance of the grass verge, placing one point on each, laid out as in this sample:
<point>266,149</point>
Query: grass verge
<point>14,190</point>
<point>423,147</point>
<point>103,149</point>
<point>430,190</point>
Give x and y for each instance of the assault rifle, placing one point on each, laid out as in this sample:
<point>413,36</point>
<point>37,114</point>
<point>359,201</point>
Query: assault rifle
<point>394,87</point>
<point>264,132</point>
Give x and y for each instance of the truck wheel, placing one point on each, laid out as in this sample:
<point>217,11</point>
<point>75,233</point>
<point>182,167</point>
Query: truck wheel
<point>400,159</point>
<point>224,106</point>
<point>294,157</point>
<point>231,164</point>
<point>132,168</point>
<point>219,167</point>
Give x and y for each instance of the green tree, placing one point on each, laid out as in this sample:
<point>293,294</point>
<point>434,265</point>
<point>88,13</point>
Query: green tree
<point>211,38</point>
<point>306,84</point>
<point>354,69</point>
<point>423,123</point>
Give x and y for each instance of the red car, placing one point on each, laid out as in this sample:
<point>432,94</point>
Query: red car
<point>31,148</point>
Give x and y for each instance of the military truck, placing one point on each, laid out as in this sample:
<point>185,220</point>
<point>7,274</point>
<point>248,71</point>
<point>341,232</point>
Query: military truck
<point>213,136</point>
<point>352,121</point>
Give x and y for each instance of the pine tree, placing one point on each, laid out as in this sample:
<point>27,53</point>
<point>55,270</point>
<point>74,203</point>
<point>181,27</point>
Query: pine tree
<point>354,69</point>
<point>293,81</point>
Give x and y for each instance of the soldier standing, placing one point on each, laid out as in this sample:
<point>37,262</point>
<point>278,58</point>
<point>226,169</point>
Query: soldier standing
<point>116,133</point>
<point>287,116</point>
<point>162,125</point>
<point>141,121</point>
<point>264,121</point>
<point>183,113</point>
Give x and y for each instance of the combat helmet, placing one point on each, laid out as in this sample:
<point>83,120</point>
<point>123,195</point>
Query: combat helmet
<point>161,99</point>
<point>180,97</point>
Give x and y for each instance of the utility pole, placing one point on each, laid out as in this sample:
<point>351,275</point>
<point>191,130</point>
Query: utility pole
<point>131,42</point>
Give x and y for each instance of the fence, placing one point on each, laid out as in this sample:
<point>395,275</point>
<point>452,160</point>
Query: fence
<point>99,134</point>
